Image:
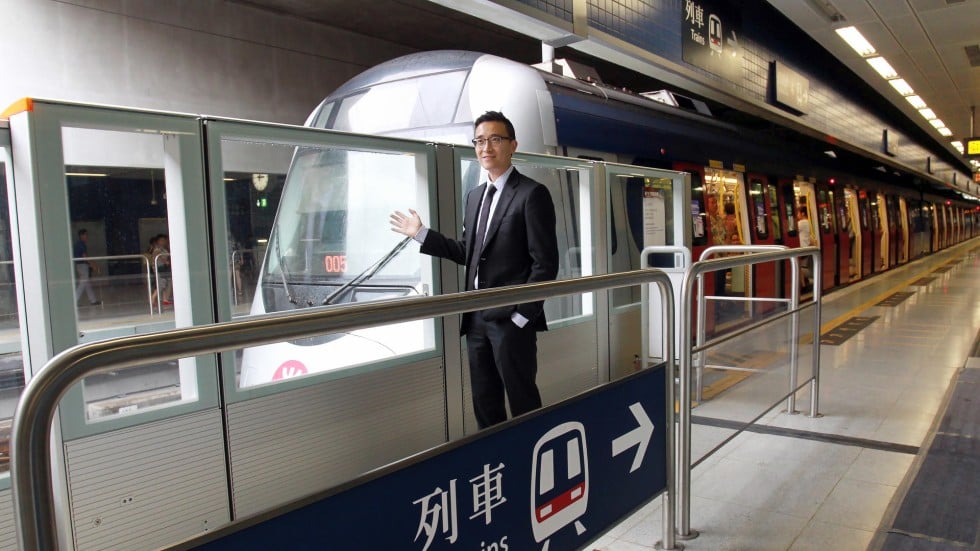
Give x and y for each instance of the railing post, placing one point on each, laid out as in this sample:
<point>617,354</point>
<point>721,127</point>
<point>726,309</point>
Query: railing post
<point>817,262</point>
<point>794,334</point>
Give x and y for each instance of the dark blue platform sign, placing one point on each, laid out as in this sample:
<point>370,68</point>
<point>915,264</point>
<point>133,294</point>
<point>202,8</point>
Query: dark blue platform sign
<point>553,480</point>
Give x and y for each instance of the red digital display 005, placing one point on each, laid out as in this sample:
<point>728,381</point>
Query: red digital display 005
<point>335,263</point>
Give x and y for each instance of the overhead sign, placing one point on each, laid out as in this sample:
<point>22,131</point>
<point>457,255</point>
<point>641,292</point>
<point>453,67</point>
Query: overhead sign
<point>972,147</point>
<point>710,34</point>
<point>554,480</point>
<point>789,89</point>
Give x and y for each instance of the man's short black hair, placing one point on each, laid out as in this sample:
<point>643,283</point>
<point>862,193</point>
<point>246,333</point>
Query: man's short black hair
<point>82,232</point>
<point>496,116</point>
<point>802,210</point>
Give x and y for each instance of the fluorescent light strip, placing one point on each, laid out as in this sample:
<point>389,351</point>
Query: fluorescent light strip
<point>884,68</point>
<point>856,41</point>
<point>90,174</point>
<point>901,86</point>
<point>958,145</point>
<point>937,123</point>
<point>916,102</point>
<point>929,114</point>
<point>945,131</point>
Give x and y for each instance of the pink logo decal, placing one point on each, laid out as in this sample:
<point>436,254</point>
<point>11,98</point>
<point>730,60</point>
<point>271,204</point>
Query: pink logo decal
<point>290,368</point>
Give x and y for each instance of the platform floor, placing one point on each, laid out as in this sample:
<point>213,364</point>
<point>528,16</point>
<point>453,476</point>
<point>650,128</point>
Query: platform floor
<point>839,481</point>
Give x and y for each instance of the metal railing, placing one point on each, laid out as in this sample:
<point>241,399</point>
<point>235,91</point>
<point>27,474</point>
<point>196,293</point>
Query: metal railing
<point>156,279</point>
<point>686,352</point>
<point>31,472</point>
<point>707,254</point>
<point>141,257</point>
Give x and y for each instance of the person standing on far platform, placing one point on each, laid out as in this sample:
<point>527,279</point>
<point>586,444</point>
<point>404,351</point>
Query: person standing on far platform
<point>508,239</point>
<point>805,232</point>
<point>84,269</point>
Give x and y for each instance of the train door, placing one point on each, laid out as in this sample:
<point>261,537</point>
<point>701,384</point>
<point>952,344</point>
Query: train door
<point>787,215</point>
<point>866,235</point>
<point>761,214</point>
<point>825,226</point>
<point>881,260</point>
<point>891,204</point>
<point>903,231</point>
<point>843,238</point>
<point>853,222</point>
<point>728,225</point>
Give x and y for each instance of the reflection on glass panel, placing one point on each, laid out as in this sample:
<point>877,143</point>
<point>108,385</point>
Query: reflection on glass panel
<point>332,244</point>
<point>120,251</point>
<point>641,215</point>
<point>254,177</point>
<point>11,363</point>
<point>777,229</point>
<point>574,253</point>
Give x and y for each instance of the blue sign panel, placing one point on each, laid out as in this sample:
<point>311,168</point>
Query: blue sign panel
<point>553,480</point>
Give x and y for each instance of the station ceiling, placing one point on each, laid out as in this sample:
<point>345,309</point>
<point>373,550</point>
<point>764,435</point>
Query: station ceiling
<point>926,41</point>
<point>933,44</point>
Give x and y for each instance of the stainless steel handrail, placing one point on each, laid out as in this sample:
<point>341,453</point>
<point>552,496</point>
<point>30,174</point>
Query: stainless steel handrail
<point>700,342</point>
<point>31,458</point>
<point>140,257</point>
<point>693,276</point>
<point>156,276</point>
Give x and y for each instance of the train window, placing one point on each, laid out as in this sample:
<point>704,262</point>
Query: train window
<point>419,102</point>
<point>789,200</point>
<point>863,209</point>
<point>323,115</point>
<point>330,244</point>
<point>758,204</point>
<point>825,210</point>
<point>777,229</point>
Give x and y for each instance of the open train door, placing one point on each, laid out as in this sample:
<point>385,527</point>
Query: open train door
<point>787,215</point>
<point>891,204</point>
<point>824,229</point>
<point>882,236</point>
<point>853,221</point>
<point>701,232</point>
<point>866,233</point>
<point>844,236</point>
<point>903,231</point>
<point>761,217</point>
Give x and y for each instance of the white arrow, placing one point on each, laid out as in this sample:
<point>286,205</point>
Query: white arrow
<point>640,437</point>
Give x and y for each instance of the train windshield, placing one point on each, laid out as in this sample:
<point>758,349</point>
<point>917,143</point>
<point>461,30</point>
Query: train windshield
<point>425,101</point>
<point>333,220</point>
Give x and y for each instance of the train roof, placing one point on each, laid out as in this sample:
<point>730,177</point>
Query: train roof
<point>408,66</point>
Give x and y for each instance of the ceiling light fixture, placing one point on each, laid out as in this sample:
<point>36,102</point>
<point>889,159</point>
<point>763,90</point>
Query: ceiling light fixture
<point>958,145</point>
<point>916,101</point>
<point>884,68</point>
<point>945,131</point>
<point>89,174</point>
<point>929,114</point>
<point>937,123</point>
<point>901,86</point>
<point>856,41</point>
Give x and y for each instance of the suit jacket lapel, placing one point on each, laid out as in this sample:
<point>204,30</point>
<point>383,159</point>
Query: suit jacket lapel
<point>471,217</point>
<point>510,189</point>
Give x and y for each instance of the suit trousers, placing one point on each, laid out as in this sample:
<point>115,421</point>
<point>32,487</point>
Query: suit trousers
<point>503,359</point>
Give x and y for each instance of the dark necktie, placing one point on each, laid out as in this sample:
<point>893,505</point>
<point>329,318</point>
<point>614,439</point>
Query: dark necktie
<point>481,230</point>
<point>481,226</point>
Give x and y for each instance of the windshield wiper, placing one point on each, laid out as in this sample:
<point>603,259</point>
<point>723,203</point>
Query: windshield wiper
<point>368,273</point>
<point>282,270</point>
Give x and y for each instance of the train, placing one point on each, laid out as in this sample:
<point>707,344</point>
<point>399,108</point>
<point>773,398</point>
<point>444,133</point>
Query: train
<point>752,182</point>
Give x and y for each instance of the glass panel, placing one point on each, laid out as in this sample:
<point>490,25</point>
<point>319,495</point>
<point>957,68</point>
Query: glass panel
<point>825,211</point>
<point>11,362</point>
<point>642,215</point>
<point>118,215</point>
<point>566,188</point>
<point>698,211</point>
<point>789,207</point>
<point>863,209</point>
<point>331,243</point>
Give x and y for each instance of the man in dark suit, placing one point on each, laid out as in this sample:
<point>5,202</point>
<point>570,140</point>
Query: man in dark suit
<point>508,239</point>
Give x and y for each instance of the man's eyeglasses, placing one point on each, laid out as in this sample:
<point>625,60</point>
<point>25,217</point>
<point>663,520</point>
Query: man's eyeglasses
<point>492,140</point>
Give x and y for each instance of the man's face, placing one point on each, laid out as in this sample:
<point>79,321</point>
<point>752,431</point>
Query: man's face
<point>712,204</point>
<point>494,159</point>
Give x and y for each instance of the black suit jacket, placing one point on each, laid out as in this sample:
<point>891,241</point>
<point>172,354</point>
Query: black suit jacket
<point>521,245</point>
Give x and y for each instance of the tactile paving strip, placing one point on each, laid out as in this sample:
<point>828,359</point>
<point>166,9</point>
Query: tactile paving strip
<point>923,281</point>
<point>895,299</point>
<point>846,330</point>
